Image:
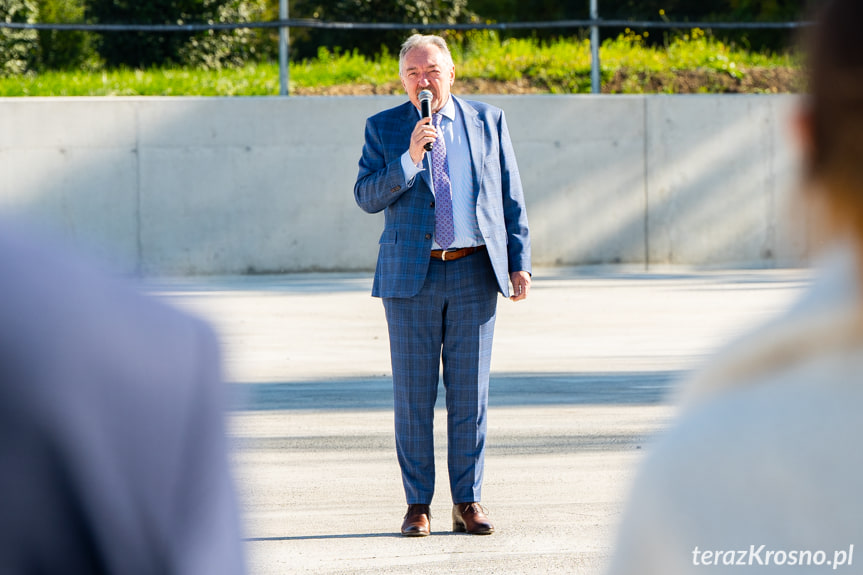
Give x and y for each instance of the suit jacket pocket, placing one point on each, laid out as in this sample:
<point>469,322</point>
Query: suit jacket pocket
<point>388,237</point>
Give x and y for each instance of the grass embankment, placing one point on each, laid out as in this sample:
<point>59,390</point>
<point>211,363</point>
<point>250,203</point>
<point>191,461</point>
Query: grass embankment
<point>690,63</point>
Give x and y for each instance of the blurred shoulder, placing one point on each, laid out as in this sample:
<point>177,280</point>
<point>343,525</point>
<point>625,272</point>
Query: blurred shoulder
<point>59,301</point>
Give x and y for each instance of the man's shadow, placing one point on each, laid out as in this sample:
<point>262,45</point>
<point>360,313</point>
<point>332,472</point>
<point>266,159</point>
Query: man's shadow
<point>393,535</point>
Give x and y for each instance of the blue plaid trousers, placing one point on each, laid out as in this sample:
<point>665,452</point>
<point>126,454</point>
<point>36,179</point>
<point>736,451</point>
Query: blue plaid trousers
<point>450,321</point>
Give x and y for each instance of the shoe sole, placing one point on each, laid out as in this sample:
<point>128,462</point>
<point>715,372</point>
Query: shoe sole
<point>460,528</point>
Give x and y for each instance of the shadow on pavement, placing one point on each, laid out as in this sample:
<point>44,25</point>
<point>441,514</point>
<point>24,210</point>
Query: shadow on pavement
<point>314,537</point>
<point>507,390</point>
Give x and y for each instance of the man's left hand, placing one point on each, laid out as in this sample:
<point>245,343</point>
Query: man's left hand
<point>520,285</point>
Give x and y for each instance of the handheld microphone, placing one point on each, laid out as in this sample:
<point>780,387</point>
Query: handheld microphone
<point>425,98</point>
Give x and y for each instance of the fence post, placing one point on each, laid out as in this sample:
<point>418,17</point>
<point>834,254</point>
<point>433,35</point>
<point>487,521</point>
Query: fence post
<point>595,78</point>
<point>284,71</point>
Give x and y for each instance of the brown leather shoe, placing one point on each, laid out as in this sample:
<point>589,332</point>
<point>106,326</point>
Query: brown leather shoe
<point>416,523</point>
<point>470,518</point>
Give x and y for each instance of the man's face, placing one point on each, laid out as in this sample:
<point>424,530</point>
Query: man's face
<point>426,68</point>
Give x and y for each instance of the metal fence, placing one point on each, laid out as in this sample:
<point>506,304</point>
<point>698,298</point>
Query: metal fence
<point>284,24</point>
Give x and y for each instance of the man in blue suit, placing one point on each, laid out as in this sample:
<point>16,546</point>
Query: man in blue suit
<point>455,236</point>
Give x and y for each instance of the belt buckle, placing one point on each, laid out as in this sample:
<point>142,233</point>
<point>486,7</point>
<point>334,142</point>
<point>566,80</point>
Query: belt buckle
<point>443,255</point>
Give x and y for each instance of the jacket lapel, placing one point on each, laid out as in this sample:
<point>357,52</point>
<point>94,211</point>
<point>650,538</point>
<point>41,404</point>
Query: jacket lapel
<point>473,127</point>
<point>405,120</point>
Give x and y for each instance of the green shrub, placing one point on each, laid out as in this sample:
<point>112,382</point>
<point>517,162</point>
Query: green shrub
<point>676,10</point>
<point>369,42</point>
<point>216,49</point>
<point>142,49</point>
<point>17,47</point>
<point>63,49</point>
<point>694,62</point>
<point>146,49</point>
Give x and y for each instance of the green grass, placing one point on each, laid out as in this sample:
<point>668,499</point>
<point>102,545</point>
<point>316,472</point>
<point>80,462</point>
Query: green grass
<point>555,67</point>
<point>252,80</point>
<point>564,66</point>
<point>689,51</point>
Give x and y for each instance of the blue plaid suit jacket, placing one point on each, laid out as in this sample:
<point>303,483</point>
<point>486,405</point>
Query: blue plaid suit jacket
<point>406,241</point>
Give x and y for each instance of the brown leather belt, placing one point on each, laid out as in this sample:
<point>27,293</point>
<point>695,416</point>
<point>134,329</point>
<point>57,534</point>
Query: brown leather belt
<point>452,255</point>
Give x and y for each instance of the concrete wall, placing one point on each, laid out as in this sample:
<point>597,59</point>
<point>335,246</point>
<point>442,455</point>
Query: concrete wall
<point>234,185</point>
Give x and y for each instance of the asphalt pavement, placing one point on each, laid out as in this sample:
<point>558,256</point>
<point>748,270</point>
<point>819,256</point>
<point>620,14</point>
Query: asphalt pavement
<point>583,378</point>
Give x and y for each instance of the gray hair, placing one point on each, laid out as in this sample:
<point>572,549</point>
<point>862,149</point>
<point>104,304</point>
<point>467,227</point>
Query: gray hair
<point>420,40</point>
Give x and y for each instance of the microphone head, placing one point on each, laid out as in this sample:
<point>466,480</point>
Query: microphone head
<point>425,98</point>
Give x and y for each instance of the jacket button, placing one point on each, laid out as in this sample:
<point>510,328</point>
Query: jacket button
<point>428,236</point>
<point>394,189</point>
<point>431,205</point>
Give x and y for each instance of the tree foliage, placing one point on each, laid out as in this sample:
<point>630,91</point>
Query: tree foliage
<point>17,47</point>
<point>370,42</point>
<point>220,49</point>
<point>677,10</point>
<point>26,50</point>
<point>742,10</point>
<point>63,49</point>
<point>145,49</point>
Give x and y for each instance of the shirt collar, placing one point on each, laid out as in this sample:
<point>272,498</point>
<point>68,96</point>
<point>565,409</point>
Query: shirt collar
<point>448,109</point>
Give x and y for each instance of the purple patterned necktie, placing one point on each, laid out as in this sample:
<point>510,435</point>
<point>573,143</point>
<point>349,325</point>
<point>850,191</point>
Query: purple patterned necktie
<point>443,225</point>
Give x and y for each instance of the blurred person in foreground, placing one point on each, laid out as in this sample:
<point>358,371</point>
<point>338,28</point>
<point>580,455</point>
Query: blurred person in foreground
<point>112,450</point>
<point>455,235</point>
<point>763,470</point>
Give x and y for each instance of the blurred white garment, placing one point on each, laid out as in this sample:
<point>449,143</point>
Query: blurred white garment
<point>761,471</point>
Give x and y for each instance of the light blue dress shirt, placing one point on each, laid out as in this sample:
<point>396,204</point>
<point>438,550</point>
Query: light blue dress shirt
<point>467,232</point>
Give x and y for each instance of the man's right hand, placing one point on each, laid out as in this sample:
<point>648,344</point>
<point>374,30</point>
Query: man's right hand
<point>423,134</point>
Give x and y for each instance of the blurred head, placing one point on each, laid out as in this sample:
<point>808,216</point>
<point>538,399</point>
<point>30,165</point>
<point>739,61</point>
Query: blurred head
<point>832,123</point>
<point>426,64</point>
